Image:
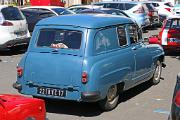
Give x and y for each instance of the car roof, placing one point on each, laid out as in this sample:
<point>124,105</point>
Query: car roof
<point>85,6</point>
<point>86,21</point>
<point>173,17</point>
<point>4,6</point>
<point>162,2</point>
<point>131,2</point>
<point>34,11</point>
<point>45,7</point>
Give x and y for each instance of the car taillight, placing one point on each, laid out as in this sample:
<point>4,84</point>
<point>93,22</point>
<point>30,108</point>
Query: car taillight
<point>177,98</point>
<point>19,71</point>
<point>84,79</point>
<point>150,14</point>
<point>168,9</point>
<point>6,23</point>
<point>139,10</point>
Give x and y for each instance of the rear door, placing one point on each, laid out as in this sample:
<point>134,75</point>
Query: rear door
<point>56,58</point>
<point>19,28</point>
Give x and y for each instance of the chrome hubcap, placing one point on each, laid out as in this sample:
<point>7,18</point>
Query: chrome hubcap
<point>157,72</point>
<point>112,92</point>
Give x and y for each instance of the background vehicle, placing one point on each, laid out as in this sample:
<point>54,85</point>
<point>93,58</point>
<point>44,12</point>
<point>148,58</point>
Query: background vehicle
<point>33,16</point>
<point>152,13</point>
<point>175,107</point>
<point>53,9</point>
<point>177,9</point>
<point>16,107</point>
<point>78,8</point>
<point>90,42</point>
<point>104,11</point>
<point>165,9</point>
<point>134,9</point>
<point>13,28</point>
<point>169,36</point>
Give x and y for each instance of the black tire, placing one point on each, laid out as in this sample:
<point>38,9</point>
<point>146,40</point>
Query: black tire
<point>110,103</point>
<point>157,73</point>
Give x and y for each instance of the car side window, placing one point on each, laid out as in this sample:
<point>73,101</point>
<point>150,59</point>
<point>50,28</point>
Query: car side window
<point>134,35</point>
<point>105,40</point>
<point>122,35</point>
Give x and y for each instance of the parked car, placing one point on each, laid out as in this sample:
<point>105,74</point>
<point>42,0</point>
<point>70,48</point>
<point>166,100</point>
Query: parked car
<point>104,11</point>
<point>165,9</point>
<point>134,9</point>
<point>16,107</point>
<point>169,36</point>
<point>108,52</point>
<point>13,28</point>
<point>175,107</point>
<point>33,16</point>
<point>78,8</point>
<point>152,13</point>
<point>177,9</point>
<point>53,9</point>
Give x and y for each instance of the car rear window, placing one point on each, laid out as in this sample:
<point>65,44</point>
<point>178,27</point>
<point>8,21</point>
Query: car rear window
<point>168,24</point>
<point>56,38</point>
<point>12,13</point>
<point>175,23</point>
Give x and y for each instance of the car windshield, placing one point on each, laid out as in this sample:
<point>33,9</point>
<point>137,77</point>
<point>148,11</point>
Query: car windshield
<point>12,13</point>
<point>56,38</point>
<point>62,11</point>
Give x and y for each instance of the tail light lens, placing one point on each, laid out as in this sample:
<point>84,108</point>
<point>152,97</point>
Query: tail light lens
<point>84,78</point>
<point>177,98</point>
<point>19,71</point>
<point>150,14</point>
<point>139,10</point>
<point>6,23</point>
<point>168,9</point>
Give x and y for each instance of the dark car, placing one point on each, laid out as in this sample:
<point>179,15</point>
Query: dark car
<point>103,11</point>
<point>33,16</point>
<point>175,108</point>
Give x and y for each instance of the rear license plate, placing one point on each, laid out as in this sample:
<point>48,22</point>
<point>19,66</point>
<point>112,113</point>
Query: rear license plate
<point>51,91</point>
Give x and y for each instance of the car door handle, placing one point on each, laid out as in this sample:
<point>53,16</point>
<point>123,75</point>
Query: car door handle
<point>54,51</point>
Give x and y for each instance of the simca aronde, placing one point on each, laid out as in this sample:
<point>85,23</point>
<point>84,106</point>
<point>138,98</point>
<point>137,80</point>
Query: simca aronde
<point>88,58</point>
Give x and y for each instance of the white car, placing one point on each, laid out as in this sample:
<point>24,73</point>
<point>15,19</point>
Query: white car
<point>13,28</point>
<point>78,8</point>
<point>53,9</point>
<point>164,8</point>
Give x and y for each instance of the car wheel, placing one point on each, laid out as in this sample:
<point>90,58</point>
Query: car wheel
<point>157,73</point>
<point>111,100</point>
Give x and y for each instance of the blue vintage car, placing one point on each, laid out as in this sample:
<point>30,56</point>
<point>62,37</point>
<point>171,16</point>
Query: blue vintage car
<point>87,58</point>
